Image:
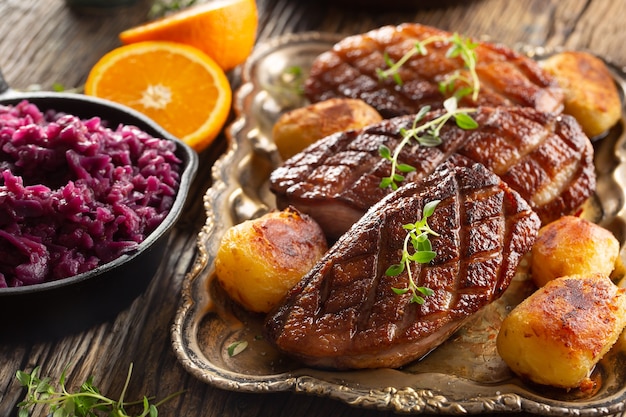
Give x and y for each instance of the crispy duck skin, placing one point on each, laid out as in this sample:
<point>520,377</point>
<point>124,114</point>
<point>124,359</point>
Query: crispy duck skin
<point>349,69</point>
<point>344,314</point>
<point>545,157</point>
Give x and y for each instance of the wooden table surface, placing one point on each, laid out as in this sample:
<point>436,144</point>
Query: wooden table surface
<point>42,43</point>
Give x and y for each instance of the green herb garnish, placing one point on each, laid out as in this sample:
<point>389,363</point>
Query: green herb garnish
<point>236,348</point>
<point>290,82</point>
<point>465,48</point>
<point>86,402</point>
<point>418,240</point>
<point>287,87</point>
<point>293,77</point>
<point>459,47</point>
<point>427,134</point>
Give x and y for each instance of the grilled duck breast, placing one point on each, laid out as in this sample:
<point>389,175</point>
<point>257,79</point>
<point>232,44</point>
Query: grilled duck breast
<point>546,158</point>
<point>349,69</point>
<point>344,314</point>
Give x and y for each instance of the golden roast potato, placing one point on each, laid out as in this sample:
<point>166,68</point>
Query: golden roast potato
<point>299,128</point>
<point>557,335</point>
<point>590,92</point>
<point>570,246</point>
<point>260,260</point>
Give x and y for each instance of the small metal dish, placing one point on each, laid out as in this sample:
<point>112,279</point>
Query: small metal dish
<point>71,304</point>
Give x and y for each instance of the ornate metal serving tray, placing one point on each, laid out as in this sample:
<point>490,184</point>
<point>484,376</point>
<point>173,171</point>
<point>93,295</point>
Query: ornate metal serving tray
<point>465,375</point>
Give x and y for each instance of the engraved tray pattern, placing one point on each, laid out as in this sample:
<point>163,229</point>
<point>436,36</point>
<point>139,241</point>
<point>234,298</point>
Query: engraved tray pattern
<point>463,376</point>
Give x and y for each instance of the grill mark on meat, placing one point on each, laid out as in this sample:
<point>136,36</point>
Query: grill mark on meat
<point>349,69</point>
<point>555,172</point>
<point>378,272</point>
<point>546,158</point>
<point>478,243</point>
<point>343,314</point>
<point>345,170</point>
<point>505,138</point>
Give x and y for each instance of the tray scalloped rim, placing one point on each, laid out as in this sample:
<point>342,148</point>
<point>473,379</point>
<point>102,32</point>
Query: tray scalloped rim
<point>406,399</point>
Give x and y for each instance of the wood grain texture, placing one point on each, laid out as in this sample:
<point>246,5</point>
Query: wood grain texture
<point>42,43</point>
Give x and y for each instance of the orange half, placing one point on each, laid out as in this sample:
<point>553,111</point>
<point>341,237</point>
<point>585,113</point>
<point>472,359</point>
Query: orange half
<point>176,85</point>
<point>223,29</point>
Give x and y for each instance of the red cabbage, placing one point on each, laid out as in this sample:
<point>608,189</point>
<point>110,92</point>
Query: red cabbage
<point>75,194</point>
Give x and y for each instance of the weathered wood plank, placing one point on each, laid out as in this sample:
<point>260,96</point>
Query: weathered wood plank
<point>42,42</point>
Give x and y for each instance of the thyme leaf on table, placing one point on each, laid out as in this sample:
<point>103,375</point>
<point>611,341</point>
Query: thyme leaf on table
<point>86,401</point>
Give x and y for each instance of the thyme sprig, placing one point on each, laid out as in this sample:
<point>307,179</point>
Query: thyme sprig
<point>416,248</point>
<point>419,48</point>
<point>464,48</point>
<point>427,134</point>
<point>86,402</point>
<point>236,348</point>
<point>459,47</point>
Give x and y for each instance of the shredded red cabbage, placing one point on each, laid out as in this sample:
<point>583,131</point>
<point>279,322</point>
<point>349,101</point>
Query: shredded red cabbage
<point>75,194</point>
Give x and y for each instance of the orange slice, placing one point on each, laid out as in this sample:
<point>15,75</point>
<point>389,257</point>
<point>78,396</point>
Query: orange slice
<point>223,29</point>
<point>176,85</point>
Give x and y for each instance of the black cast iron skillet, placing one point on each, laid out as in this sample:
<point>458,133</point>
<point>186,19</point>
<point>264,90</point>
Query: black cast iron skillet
<point>55,308</point>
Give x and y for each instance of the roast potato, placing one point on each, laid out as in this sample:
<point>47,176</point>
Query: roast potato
<point>297,129</point>
<point>557,335</point>
<point>572,246</point>
<point>259,260</point>
<point>590,92</point>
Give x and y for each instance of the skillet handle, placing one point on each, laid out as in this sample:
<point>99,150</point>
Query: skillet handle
<point>4,86</point>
